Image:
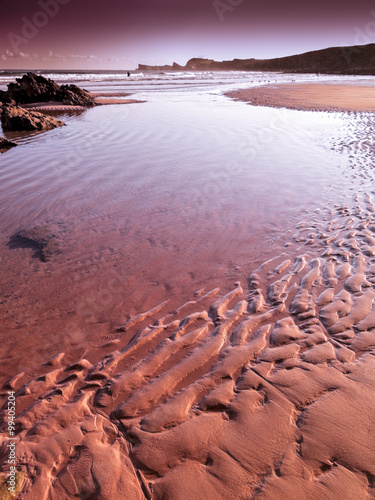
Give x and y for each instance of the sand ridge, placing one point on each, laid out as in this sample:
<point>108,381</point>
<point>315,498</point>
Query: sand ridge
<point>256,392</point>
<point>310,97</point>
<point>100,98</point>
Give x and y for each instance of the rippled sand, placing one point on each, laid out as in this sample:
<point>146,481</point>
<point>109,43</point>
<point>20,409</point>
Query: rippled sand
<point>263,389</point>
<point>266,392</point>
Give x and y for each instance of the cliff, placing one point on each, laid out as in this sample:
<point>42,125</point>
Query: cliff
<point>353,60</point>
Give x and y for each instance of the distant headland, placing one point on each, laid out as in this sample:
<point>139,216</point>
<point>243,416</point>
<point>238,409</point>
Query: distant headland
<point>349,60</point>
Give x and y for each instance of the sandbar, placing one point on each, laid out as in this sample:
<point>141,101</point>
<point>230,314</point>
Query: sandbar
<point>310,97</point>
<point>101,99</point>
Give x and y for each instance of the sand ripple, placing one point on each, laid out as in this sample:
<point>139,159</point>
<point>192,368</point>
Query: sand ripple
<point>264,392</point>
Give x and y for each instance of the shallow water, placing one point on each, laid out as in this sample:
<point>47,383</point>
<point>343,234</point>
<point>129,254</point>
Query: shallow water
<point>187,190</point>
<point>200,150</point>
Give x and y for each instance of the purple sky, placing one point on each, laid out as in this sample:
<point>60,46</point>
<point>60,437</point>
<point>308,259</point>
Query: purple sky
<point>119,34</point>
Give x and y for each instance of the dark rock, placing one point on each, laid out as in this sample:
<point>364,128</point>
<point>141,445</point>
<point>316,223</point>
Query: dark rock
<point>33,88</point>
<point>45,239</point>
<point>71,94</point>
<point>16,118</point>
<point>5,145</point>
<point>6,98</point>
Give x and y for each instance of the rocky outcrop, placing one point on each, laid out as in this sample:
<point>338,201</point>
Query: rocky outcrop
<point>75,96</point>
<point>32,88</point>
<point>17,118</point>
<point>198,63</point>
<point>166,67</point>
<point>5,145</point>
<point>354,60</point>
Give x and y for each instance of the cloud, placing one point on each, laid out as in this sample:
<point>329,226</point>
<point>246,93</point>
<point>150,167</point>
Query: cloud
<point>116,59</point>
<point>90,57</point>
<point>20,55</point>
<point>83,57</point>
<point>8,55</point>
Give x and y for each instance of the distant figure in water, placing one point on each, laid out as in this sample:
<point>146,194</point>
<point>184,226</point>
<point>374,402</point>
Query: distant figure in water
<point>128,73</point>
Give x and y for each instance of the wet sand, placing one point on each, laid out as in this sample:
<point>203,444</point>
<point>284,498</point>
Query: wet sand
<point>313,97</point>
<point>102,99</point>
<point>266,391</point>
<point>263,389</point>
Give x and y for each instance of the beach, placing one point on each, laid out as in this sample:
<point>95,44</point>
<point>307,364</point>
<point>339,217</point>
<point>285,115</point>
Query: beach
<point>311,97</point>
<point>206,329</point>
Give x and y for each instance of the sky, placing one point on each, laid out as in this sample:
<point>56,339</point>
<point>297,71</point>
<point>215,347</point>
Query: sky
<point>120,34</point>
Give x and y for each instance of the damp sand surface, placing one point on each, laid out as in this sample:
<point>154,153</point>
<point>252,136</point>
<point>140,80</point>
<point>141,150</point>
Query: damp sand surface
<point>196,334</point>
<point>311,96</point>
<point>100,99</point>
